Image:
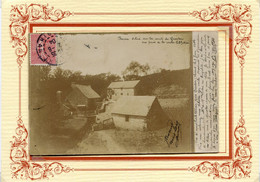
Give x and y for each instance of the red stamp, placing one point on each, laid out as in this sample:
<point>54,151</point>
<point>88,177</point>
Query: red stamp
<point>43,49</point>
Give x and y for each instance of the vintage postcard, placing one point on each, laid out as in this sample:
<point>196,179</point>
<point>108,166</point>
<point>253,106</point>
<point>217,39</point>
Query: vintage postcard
<point>123,93</point>
<point>110,93</point>
<point>130,91</point>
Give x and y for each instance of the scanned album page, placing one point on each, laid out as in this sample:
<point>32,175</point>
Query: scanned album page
<point>130,91</point>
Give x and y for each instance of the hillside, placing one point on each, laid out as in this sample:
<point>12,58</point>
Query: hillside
<point>166,84</point>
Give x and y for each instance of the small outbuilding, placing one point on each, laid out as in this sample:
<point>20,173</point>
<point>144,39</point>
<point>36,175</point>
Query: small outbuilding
<point>139,113</point>
<point>82,98</point>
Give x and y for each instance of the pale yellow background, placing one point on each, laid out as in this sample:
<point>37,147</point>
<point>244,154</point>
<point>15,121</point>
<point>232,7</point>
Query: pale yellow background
<point>251,85</point>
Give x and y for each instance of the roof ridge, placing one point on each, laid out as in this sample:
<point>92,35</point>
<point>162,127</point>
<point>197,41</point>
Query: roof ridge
<point>124,84</point>
<point>139,106</point>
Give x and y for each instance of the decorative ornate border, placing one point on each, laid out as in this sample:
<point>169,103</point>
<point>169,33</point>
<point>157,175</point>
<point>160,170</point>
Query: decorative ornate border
<point>21,166</point>
<point>239,15</point>
<point>240,165</point>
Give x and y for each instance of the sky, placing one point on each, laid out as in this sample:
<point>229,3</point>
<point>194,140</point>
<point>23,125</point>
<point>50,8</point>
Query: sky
<point>112,52</point>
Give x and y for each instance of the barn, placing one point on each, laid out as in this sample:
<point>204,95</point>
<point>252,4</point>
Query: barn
<point>82,98</point>
<point>123,88</point>
<point>138,113</point>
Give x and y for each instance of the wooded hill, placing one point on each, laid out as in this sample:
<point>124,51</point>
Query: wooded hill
<point>167,83</point>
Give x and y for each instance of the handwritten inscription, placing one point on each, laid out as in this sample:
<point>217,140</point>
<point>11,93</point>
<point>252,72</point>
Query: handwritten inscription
<point>156,40</point>
<point>205,91</point>
<point>173,134</point>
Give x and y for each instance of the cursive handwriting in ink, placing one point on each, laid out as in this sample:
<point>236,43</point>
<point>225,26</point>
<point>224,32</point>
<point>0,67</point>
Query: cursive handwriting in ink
<point>205,90</point>
<point>173,134</point>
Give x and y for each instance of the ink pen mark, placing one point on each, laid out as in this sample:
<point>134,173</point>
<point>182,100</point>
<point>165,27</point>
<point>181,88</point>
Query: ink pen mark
<point>175,132</point>
<point>38,108</point>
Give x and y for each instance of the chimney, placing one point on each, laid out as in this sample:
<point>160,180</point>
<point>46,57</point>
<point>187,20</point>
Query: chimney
<point>59,97</point>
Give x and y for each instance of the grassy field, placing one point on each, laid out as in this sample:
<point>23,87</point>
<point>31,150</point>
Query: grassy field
<point>114,141</point>
<point>177,109</point>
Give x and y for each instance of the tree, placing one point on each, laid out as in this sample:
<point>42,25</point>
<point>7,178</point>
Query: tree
<point>112,77</point>
<point>101,81</point>
<point>45,73</point>
<point>76,77</point>
<point>135,70</point>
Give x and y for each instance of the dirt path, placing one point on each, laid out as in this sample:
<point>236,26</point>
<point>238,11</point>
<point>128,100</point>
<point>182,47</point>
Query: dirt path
<point>111,145</point>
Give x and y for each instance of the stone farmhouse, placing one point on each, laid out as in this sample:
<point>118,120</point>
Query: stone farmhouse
<point>123,88</point>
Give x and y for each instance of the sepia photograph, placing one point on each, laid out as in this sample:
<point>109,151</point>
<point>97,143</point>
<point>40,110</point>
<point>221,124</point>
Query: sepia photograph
<point>111,93</point>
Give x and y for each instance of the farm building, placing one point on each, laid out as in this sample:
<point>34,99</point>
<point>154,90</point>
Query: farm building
<point>138,113</point>
<point>82,98</point>
<point>123,88</point>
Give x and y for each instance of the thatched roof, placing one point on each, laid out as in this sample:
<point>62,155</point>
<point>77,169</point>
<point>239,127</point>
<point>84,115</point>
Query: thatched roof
<point>134,105</point>
<point>124,84</point>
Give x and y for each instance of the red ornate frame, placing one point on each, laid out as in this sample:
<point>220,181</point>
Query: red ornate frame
<point>20,16</point>
<point>23,167</point>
